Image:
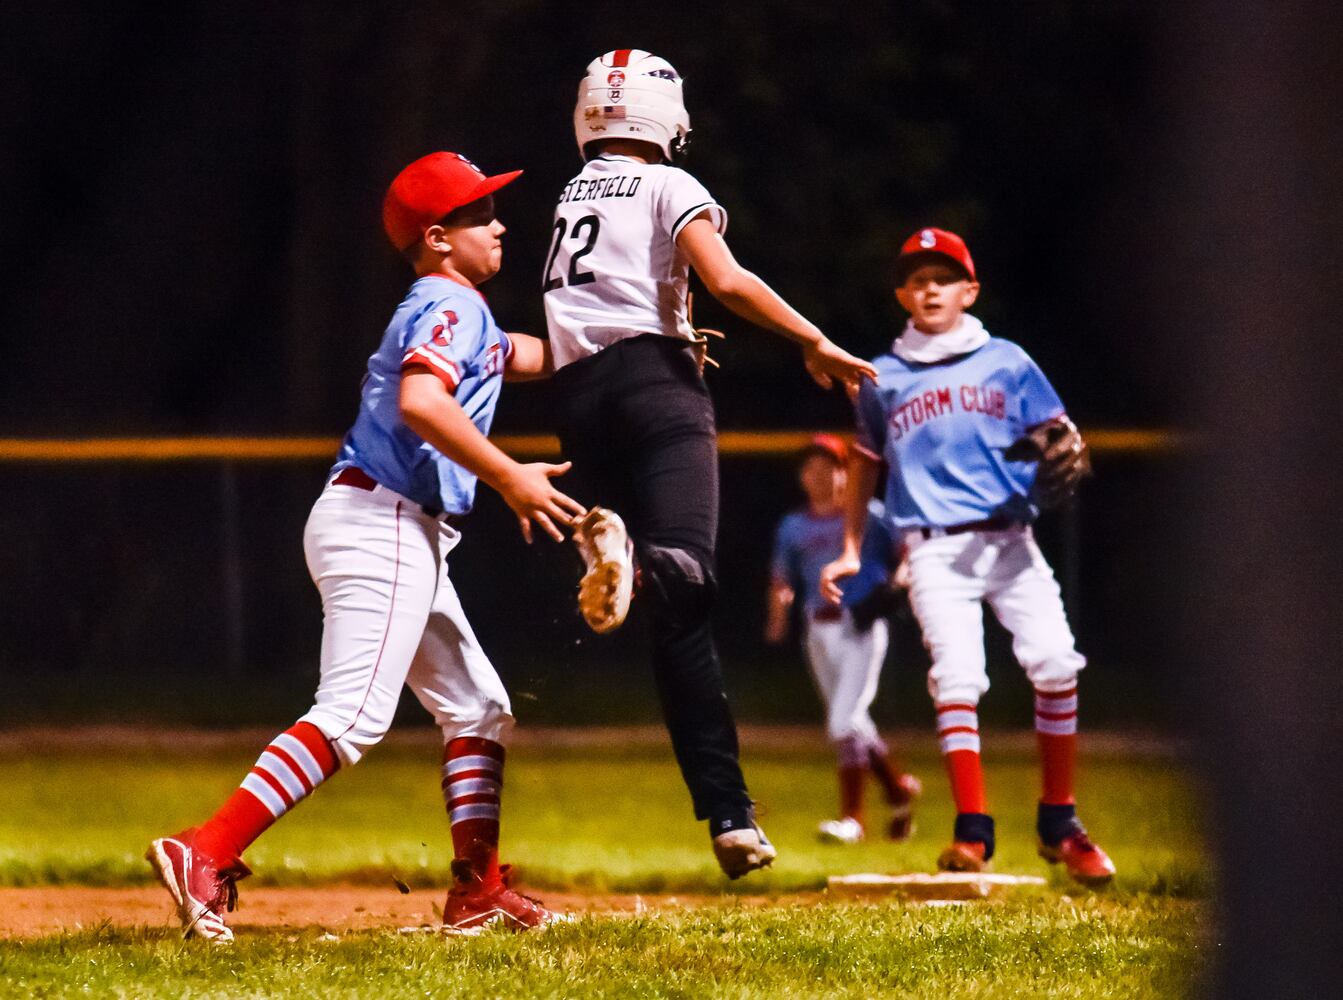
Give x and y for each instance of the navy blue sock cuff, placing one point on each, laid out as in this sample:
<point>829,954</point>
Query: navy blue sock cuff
<point>976,828</point>
<point>1053,823</point>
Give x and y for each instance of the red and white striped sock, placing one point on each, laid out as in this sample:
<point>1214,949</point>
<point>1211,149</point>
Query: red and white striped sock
<point>473,778</point>
<point>1056,735</point>
<point>958,735</point>
<point>295,763</point>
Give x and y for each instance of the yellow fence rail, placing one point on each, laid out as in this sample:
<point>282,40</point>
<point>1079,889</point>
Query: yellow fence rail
<point>534,446</point>
<point>230,452</point>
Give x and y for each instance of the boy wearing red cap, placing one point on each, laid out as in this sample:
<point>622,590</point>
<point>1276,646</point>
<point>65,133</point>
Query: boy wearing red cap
<point>376,544</point>
<point>957,416</point>
<point>845,647</point>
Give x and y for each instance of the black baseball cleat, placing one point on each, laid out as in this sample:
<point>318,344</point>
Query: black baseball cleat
<point>743,850</point>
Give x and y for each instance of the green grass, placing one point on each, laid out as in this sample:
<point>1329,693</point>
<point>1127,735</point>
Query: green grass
<point>615,820</point>
<point>1044,948</point>
<point>586,818</point>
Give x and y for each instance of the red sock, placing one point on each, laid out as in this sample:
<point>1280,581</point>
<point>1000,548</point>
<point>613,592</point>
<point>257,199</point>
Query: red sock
<point>1056,735</point>
<point>473,776</point>
<point>958,734</point>
<point>296,762</point>
<point>851,782</point>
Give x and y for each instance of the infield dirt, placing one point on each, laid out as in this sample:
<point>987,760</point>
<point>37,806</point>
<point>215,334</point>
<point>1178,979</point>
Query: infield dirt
<point>38,911</point>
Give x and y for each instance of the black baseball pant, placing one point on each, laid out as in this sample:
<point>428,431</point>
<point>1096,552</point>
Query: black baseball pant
<point>637,421</point>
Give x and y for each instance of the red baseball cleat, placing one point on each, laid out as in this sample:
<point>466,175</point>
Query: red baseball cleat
<point>902,811</point>
<point>1085,861</point>
<point>473,905</point>
<point>201,887</point>
<point>963,856</point>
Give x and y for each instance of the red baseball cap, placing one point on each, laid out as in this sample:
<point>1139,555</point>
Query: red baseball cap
<point>429,189</point>
<point>830,445</point>
<point>928,243</point>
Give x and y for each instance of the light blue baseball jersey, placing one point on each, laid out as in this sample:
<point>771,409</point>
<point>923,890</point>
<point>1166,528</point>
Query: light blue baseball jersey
<point>942,429</point>
<point>804,543</point>
<point>448,329</point>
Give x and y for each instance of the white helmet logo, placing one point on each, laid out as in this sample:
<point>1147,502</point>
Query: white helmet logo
<point>615,78</point>
<point>927,239</point>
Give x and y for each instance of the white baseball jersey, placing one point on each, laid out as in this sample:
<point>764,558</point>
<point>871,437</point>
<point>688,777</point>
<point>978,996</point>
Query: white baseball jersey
<point>613,270</point>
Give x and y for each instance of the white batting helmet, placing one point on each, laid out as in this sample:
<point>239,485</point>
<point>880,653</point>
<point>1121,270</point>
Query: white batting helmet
<point>632,94</point>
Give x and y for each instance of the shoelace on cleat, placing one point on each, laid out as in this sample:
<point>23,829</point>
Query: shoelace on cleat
<point>226,889</point>
<point>226,895</point>
<point>506,875</point>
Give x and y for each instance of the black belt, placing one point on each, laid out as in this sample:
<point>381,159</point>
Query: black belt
<point>988,524</point>
<point>828,613</point>
<point>354,476</point>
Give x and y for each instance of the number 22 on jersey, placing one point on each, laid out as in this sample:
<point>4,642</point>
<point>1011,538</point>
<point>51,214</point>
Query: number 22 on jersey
<point>585,231</point>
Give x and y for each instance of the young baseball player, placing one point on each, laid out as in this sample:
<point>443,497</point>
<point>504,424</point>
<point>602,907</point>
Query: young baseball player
<point>949,405</point>
<point>634,414</point>
<point>376,544</point>
<point>845,653</point>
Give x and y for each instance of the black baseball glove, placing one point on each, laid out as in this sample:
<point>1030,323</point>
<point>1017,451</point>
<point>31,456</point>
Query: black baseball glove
<point>881,601</point>
<point>1065,459</point>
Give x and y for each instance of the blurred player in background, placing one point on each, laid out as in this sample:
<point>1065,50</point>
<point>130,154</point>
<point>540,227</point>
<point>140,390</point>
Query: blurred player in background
<point>845,648</point>
<point>634,413</point>
<point>377,543</point>
<point>977,442</point>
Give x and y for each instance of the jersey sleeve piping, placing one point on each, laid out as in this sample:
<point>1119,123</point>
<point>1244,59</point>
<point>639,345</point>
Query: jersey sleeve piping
<point>689,214</point>
<point>443,368</point>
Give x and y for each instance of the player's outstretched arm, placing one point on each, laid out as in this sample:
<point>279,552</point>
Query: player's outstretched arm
<point>530,359</point>
<point>430,411</point>
<point>753,300</point>
<point>779,602</point>
<point>862,481</point>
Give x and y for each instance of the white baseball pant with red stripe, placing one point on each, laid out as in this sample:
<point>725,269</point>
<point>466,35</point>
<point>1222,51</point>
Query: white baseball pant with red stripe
<point>392,618</point>
<point>846,665</point>
<point>951,575</point>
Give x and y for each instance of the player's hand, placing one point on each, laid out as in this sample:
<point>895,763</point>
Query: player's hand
<point>833,572</point>
<point>827,361</point>
<point>528,491</point>
<point>900,578</point>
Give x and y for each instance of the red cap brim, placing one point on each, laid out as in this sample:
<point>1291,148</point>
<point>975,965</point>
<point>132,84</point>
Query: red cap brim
<point>907,263</point>
<point>491,184</point>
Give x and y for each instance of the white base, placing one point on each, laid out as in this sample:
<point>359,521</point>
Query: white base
<point>943,885</point>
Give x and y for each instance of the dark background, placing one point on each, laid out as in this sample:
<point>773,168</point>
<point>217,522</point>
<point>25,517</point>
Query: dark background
<point>190,243</point>
<point>195,247</point>
<point>194,191</point>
